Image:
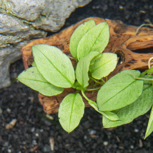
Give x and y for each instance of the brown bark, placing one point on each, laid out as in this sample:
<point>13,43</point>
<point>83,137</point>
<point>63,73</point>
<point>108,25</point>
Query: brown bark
<point>133,51</point>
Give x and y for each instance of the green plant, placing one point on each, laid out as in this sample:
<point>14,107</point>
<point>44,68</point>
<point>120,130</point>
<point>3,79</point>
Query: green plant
<point>120,100</point>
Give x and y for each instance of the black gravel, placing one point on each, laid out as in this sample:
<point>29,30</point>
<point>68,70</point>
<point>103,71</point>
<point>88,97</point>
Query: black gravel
<point>33,130</point>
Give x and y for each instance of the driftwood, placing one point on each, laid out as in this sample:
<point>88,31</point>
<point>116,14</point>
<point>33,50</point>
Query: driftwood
<point>133,50</point>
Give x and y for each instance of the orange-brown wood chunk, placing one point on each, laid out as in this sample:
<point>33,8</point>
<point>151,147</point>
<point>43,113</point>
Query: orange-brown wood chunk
<point>133,51</point>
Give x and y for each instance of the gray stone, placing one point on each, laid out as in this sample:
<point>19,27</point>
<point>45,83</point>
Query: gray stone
<point>25,20</point>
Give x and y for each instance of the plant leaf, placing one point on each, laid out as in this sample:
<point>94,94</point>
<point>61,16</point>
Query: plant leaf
<point>150,124</point>
<point>96,39</point>
<point>119,91</point>
<point>149,71</point>
<point>33,64</point>
<point>149,77</point>
<point>71,111</point>
<point>132,111</point>
<point>33,79</point>
<point>78,34</point>
<point>110,115</point>
<point>54,65</point>
<point>104,65</point>
<point>83,68</point>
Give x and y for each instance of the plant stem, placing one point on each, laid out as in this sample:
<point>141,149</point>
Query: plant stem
<point>149,24</point>
<point>144,79</point>
<point>94,89</point>
<point>103,80</point>
<point>83,94</point>
<point>149,62</point>
<point>98,82</point>
<point>71,57</point>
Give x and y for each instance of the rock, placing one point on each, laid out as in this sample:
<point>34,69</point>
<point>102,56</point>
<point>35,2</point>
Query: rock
<point>24,20</point>
<point>11,124</point>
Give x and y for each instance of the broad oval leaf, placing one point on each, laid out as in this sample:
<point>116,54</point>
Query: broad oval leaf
<point>78,34</point>
<point>54,65</point>
<point>33,79</point>
<point>150,124</point>
<point>71,111</point>
<point>83,68</point>
<point>132,111</point>
<point>96,39</point>
<point>104,65</point>
<point>110,115</point>
<point>119,91</point>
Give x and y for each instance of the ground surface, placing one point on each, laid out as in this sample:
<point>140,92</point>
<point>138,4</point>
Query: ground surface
<point>33,132</point>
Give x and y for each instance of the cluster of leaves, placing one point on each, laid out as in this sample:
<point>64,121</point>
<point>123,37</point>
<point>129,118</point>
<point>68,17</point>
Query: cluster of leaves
<point>120,100</point>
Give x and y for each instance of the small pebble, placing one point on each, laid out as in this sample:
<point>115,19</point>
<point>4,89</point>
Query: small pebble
<point>136,130</point>
<point>120,7</point>
<point>31,98</point>
<point>5,144</point>
<point>11,96</point>
<point>51,141</point>
<point>37,135</point>
<point>8,110</point>
<point>140,143</point>
<point>9,150</point>
<point>132,147</point>
<point>105,143</point>
<point>34,142</point>
<point>41,130</point>
<point>96,7</point>
<point>32,129</point>
<point>46,148</point>
<point>49,117</point>
<point>85,137</point>
<point>92,132</point>
<point>11,124</point>
<point>142,11</point>
<point>48,123</point>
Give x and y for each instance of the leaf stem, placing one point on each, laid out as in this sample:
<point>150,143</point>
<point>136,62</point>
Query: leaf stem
<point>103,80</point>
<point>83,94</point>
<point>71,57</point>
<point>139,78</point>
<point>96,81</point>
<point>149,62</point>
<point>144,79</point>
<point>94,89</point>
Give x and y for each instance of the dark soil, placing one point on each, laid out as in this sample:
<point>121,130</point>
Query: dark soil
<point>34,132</point>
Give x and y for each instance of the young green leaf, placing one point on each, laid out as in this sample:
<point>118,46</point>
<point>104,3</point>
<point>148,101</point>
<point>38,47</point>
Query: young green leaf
<point>32,78</point>
<point>148,77</point>
<point>54,65</point>
<point>150,124</point>
<point>96,39</point>
<point>104,65</point>
<point>77,86</point>
<point>83,68</point>
<point>110,115</point>
<point>149,71</point>
<point>119,91</point>
<point>78,34</point>
<point>132,111</point>
<point>71,111</point>
<point>33,64</point>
